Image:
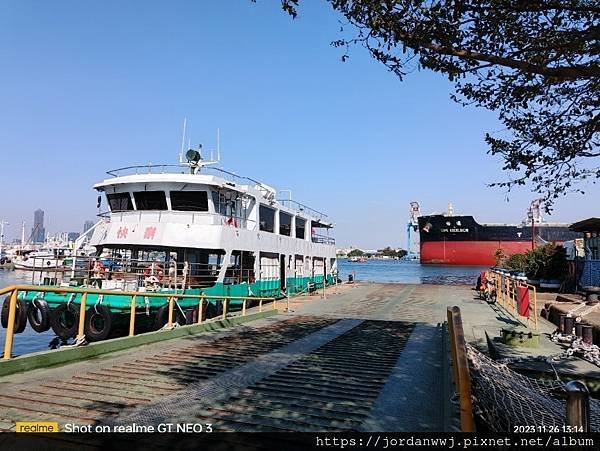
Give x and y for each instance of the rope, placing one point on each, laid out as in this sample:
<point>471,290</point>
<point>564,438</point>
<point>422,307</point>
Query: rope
<point>503,398</point>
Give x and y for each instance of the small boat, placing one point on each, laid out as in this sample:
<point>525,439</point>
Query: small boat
<point>41,259</point>
<point>353,259</point>
<point>6,262</point>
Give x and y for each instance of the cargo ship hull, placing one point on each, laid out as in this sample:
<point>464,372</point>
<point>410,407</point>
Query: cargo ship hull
<point>460,240</point>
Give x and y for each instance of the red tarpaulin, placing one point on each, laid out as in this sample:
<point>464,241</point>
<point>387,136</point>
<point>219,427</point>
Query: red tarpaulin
<point>523,301</point>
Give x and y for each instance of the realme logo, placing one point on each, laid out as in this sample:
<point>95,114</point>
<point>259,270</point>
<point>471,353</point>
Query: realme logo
<point>36,426</point>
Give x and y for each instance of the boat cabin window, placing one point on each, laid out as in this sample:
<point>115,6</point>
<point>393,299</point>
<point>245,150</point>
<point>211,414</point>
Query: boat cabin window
<point>226,203</point>
<point>119,202</point>
<point>300,226</point>
<point>285,224</point>
<point>150,200</point>
<point>267,219</point>
<point>189,200</point>
<point>241,268</point>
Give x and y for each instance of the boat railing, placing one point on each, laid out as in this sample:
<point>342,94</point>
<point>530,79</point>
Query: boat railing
<point>322,239</point>
<point>14,290</point>
<point>507,291</point>
<point>182,169</point>
<point>297,206</point>
<point>128,273</point>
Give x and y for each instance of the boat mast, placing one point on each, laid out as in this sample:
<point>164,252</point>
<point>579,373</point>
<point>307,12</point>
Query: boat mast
<point>2,224</point>
<point>23,236</point>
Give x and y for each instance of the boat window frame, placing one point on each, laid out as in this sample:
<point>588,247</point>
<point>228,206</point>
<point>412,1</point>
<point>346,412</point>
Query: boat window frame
<point>260,218</point>
<point>204,199</point>
<point>281,225</point>
<point>303,228</point>
<point>123,195</point>
<point>137,200</point>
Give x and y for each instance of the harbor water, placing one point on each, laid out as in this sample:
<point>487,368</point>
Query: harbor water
<point>383,271</point>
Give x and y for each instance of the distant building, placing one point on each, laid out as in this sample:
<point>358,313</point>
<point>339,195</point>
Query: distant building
<point>72,236</point>
<point>87,225</point>
<point>38,232</point>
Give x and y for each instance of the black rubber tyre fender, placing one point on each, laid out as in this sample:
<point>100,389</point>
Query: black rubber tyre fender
<point>162,316</point>
<point>38,314</point>
<point>98,323</point>
<point>20,314</point>
<point>64,320</point>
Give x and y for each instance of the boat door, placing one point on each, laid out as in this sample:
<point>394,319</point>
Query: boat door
<point>282,272</point>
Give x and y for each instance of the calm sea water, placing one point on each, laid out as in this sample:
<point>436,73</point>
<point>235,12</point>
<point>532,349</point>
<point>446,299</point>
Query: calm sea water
<point>372,271</point>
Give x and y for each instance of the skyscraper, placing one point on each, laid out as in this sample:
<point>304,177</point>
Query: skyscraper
<point>87,225</point>
<point>38,232</point>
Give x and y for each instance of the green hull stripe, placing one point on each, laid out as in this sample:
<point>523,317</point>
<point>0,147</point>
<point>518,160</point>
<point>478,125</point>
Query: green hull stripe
<point>260,288</point>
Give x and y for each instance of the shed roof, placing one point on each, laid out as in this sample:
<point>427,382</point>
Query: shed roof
<point>587,225</point>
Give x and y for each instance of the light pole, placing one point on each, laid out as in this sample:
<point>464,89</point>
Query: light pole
<point>531,218</point>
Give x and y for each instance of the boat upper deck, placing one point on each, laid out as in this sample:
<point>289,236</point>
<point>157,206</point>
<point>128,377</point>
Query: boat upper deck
<point>219,178</point>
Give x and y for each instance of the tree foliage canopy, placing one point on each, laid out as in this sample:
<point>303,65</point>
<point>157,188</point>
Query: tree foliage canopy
<point>535,62</point>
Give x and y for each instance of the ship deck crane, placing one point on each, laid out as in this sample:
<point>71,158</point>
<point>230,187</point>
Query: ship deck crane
<point>412,226</point>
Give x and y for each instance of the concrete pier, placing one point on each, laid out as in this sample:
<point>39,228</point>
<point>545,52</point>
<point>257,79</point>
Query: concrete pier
<point>367,357</point>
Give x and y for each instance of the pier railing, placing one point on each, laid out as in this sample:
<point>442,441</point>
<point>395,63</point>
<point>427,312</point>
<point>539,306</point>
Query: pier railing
<point>460,366</point>
<point>508,292</point>
<point>13,291</point>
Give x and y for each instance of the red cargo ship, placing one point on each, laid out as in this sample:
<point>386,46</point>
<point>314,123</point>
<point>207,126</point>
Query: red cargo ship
<point>460,240</point>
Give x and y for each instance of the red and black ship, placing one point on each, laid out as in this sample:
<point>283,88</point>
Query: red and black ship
<point>460,240</point>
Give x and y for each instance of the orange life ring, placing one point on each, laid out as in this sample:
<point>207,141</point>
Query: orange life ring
<point>157,271</point>
<point>99,268</point>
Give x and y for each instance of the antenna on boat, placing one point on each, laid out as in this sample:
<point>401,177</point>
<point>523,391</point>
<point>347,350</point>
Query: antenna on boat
<point>218,145</point>
<point>182,140</point>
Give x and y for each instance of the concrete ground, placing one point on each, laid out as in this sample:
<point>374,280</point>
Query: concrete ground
<point>367,357</point>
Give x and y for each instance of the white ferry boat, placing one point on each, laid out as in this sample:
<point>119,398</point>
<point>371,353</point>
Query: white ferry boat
<point>192,228</point>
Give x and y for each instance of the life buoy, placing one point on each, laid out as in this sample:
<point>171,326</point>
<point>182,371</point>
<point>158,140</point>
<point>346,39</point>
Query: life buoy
<point>155,271</point>
<point>98,269</point>
<point>231,222</point>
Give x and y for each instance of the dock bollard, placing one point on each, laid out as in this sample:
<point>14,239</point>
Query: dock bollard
<point>587,333</point>
<point>569,325</point>
<point>578,406</point>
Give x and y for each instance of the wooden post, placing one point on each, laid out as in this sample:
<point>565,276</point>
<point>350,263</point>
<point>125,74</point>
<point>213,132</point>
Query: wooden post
<point>324,276</point>
<point>461,364</point>
<point>260,305</point>
<point>244,307</point>
<point>452,344</point>
<point>224,309</point>
<point>80,331</point>
<point>171,305</point>
<point>200,308</point>
<point>132,316</point>
<point>10,330</point>
<point>535,314</point>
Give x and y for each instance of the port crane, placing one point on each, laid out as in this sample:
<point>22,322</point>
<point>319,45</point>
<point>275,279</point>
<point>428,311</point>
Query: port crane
<point>412,226</point>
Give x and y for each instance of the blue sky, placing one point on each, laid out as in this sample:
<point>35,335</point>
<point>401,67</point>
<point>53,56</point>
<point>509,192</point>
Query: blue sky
<point>89,86</point>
